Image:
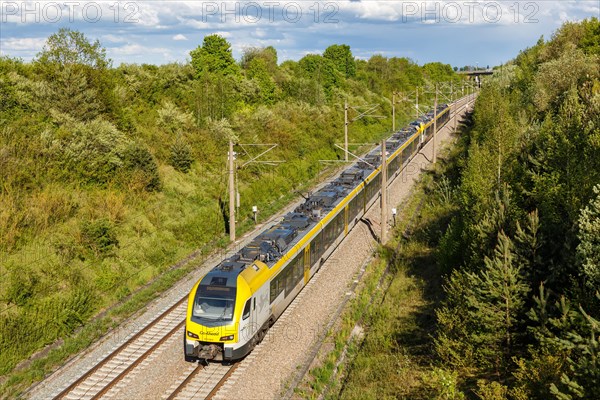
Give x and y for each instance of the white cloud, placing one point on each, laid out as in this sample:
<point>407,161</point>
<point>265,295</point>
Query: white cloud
<point>137,51</point>
<point>22,44</point>
<point>129,50</point>
<point>224,34</point>
<point>451,12</point>
<point>260,33</point>
<point>113,38</point>
<point>372,10</point>
<point>591,8</point>
<point>179,37</point>
<point>146,16</point>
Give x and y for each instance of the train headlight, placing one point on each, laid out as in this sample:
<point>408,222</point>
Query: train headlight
<point>224,338</point>
<point>192,335</point>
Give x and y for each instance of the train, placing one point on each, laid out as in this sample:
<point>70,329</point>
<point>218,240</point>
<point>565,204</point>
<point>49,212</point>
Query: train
<point>231,308</point>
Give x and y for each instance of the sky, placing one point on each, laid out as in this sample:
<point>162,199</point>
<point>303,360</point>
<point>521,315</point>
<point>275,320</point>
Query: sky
<point>482,33</point>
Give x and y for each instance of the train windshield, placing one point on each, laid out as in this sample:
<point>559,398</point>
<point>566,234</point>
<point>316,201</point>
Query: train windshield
<point>214,303</point>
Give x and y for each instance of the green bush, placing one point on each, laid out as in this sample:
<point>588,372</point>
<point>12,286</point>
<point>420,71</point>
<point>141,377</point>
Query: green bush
<point>181,157</point>
<point>140,164</point>
<point>99,236</point>
<point>24,331</point>
<point>93,151</point>
<point>20,285</point>
<point>443,384</point>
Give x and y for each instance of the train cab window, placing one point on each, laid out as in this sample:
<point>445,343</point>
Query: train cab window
<point>213,303</point>
<point>246,312</point>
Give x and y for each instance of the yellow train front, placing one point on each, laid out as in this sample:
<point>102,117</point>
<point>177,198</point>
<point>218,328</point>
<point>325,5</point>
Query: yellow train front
<point>226,316</point>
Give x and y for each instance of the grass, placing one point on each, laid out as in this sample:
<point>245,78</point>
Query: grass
<point>36,369</point>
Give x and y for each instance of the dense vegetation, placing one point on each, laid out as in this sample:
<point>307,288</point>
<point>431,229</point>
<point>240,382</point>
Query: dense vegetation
<point>108,175</point>
<point>523,251</point>
<point>505,260</point>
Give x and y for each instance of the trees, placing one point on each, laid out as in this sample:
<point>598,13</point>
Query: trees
<point>218,76</point>
<point>181,157</point>
<point>73,93</point>
<point>320,70</point>
<point>92,151</point>
<point>267,54</point>
<point>438,72</point>
<point>588,250</point>
<point>258,70</point>
<point>214,57</point>
<point>342,58</point>
<point>173,120</point>
<point>68,48</point>
<point>567,338</point>
<point>555,77</point>
<point>478,324</point>
<point>535,137</point>
<point>176,122</point>
<point>75,70</point>
<point>260,65</point>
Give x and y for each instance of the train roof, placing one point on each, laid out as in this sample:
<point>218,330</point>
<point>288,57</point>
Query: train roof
<point>275,241</point>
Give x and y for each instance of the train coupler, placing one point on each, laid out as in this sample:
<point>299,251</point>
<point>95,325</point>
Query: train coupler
<point>209,352</point>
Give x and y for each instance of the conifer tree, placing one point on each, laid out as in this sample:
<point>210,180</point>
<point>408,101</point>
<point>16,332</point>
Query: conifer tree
<point>181,157</point>
<point>528,242</point>
<point>501,295</point>
<point>588,250</point>
<point>481,315</point>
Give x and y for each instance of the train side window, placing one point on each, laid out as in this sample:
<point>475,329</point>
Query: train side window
<point>298,269</point>
<point>246,312</point>
<point>315,249</point>
<point>254,303</point>
<point>289,277</point>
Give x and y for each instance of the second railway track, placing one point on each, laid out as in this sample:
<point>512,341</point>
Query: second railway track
<point>109,371</point>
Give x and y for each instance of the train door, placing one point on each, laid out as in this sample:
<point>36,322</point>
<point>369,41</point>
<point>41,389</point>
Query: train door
<point>256,312</point>
<point>346,220</point>
<point>306,263</point>
<point>246,326</point>
<point>253,321</point>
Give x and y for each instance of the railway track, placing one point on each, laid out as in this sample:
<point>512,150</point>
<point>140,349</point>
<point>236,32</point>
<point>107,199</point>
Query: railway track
<point>201,382</point>
<point>107,373</point>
